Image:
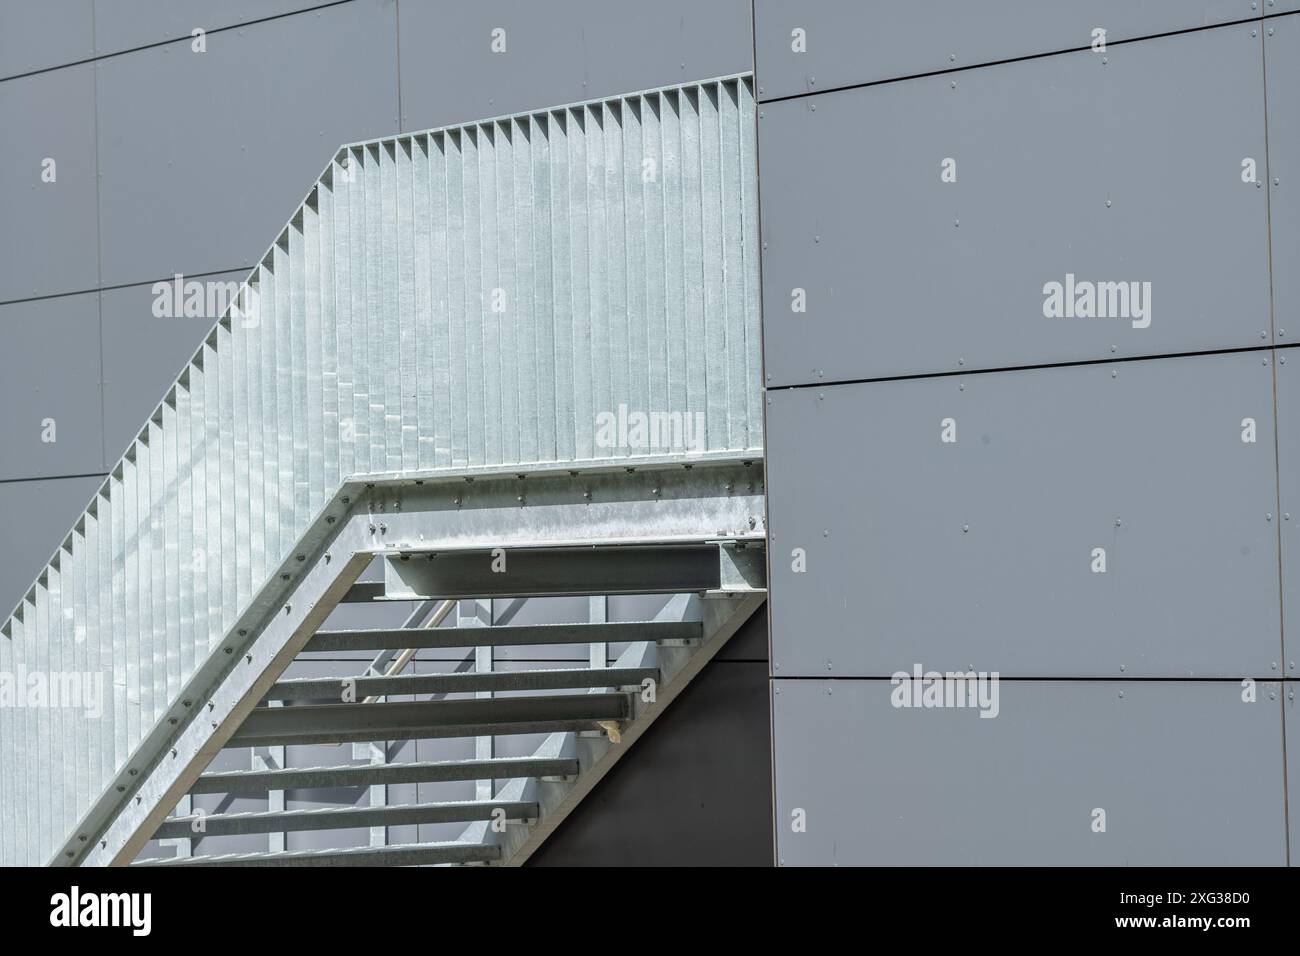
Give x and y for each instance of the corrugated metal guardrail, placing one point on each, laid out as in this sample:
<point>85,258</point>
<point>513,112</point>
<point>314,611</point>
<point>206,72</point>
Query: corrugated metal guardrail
<point>575,284</point>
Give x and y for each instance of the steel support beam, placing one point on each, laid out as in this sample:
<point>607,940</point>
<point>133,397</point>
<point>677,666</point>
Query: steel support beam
<point>342,818</point>
<point>415,854</point>
<point>516,635</point>
<point>542,573</point>
<point>411,720</point>
<point>330,688</point>
<point>354,775</point>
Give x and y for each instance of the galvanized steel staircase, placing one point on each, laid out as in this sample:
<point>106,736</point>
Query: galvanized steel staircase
<point>414,371</point>
<point>600,713</point>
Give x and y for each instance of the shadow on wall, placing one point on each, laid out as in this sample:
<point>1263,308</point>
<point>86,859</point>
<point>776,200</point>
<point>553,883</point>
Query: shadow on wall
<point>697,791</point>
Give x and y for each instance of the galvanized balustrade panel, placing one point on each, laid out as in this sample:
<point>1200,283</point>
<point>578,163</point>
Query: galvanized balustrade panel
<point>470,297</point>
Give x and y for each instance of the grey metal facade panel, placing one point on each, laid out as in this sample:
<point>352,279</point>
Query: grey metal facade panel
<point>37,516</point>
<point>906,274</point>
<point>451,74</point>
<point>142,351</point>
<point>38,36</point>
<point>1282,62</point>
<point>48,242</point>
<point>881,785</point>
<point>49,388</point>
<point>1288,469</point>
<point>1292,725</point>
<point>850,42</point>
<point>981,552</point>
<point>233,134</point>
<point>124,26</point>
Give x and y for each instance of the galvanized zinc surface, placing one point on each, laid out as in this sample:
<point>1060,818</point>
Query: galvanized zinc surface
<point>577,284</point>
